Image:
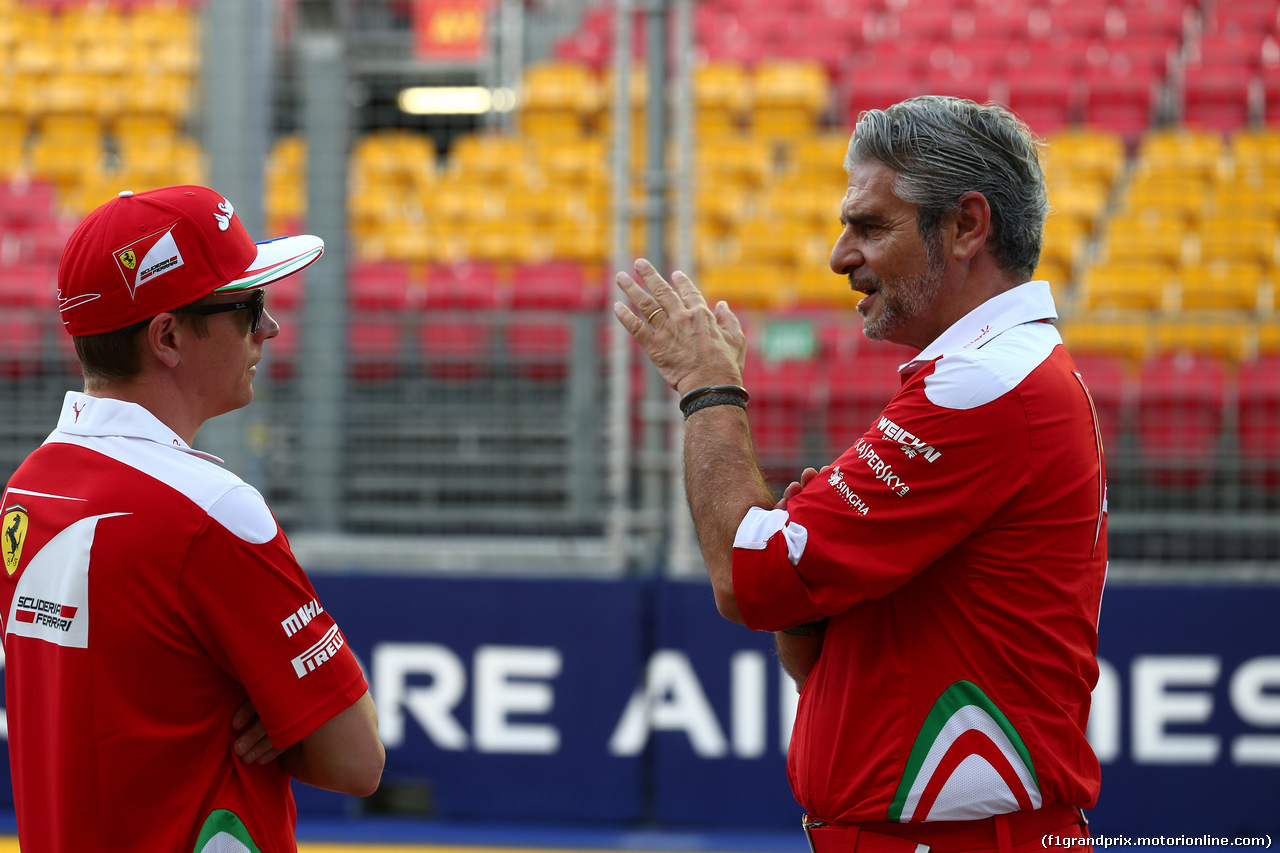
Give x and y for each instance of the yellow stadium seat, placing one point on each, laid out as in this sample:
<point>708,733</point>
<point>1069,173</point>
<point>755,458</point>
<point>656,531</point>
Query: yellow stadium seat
<point>816,285</point>
<point>1247,193</point>
<point>558,99</point>
<point>1239,240</point>
<point>1184,150</point>
<point>585,242</point>
<point>1094,155</point>
<point>1268,337</point>
<point>489,157</point>
<point>1171,195</point>
<point>770,241</point>
<point>1256,148</point>
<point>1065,237</point>
<point>1078,198</point>
<point>747,285</point>
<point>744,159</point>
<point>819,158</point>
<point>578,161</point>
<point>1120,286</point>
<point>511,244</point>
<point>800,200</point>
<point>790,97</point>
<point>721,206</point>
<point>1220,285</point>
<point>68,150</point>
<point>721,95</point>
<point>13,145</point>
<point>149,94</point>
<point>401,157</point>
<point>1128,338</point>
<point>1228,339</point>
<point>1131,239</point>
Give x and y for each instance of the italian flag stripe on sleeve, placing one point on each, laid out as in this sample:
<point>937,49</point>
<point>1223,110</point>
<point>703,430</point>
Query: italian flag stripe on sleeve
<point>967,763</point>
<point>223,832</point>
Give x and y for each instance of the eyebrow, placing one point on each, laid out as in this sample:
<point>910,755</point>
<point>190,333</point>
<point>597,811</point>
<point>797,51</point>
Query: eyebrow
<point>864,218</point>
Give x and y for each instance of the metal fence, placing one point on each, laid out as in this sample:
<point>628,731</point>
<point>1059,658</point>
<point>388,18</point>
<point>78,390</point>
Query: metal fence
<point>526,436</point>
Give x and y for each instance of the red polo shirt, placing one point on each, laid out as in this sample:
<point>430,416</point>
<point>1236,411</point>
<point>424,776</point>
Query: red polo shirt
<point>148,592</point>
<point>959,549</point>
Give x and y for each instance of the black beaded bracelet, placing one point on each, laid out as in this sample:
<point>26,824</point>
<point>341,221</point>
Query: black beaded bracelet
<point>701,398</point>
<point>706,401</point>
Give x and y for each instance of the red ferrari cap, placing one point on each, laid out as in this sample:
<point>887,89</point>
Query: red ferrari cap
<point>142,254</point>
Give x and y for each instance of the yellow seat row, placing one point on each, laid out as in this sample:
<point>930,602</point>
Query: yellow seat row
<point>1139,337</point>
<point>777,98</point>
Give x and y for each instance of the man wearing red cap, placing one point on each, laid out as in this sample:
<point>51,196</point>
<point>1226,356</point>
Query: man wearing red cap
<point>168,665</point>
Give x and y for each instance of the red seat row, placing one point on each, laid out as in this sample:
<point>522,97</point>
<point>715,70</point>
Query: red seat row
<point>1173,422</point>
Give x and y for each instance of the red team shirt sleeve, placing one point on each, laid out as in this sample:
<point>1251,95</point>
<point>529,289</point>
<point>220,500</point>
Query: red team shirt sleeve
<point>919,481</point>
<point>255,612</point>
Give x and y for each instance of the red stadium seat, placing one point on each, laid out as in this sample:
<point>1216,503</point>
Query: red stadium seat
<point>28,286</point>
<point>287,293</point>
<point>21,336</point>
<point>1259,421</point>
<point>373,350</point>
<point>1123,104</point>
<point>1216,98</point>
<point>871,92</point>
<point>281,352</point>
<point>858,388</point>
<point>1104,376</point>
<point>1179,418</point>
<point>1242,50</point>
<point>1240,18</point>
<point>782,408</point>
<point>379,286</point>
<point>544,299</point>
<point>1170,23</point>
<point>1046,102</point>
<point>1270,78</point>
<point>457,321</point>
<point>25,203</point>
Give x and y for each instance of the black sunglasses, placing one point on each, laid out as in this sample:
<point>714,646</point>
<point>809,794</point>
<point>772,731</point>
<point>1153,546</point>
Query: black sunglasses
<point>254,305</point>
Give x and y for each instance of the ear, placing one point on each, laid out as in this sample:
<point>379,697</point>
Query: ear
<point>971,225</point>
<point>163,339</point>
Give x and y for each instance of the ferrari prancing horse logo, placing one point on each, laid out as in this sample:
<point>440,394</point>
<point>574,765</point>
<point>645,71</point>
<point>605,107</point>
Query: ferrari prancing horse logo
<point>13,535</point>
<point>128,258</point>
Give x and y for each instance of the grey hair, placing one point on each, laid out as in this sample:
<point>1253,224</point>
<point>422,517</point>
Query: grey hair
<point>943,147</point>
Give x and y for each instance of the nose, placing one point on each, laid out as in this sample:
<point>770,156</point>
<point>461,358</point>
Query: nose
<point>268,328</point>
<point>844,254</point>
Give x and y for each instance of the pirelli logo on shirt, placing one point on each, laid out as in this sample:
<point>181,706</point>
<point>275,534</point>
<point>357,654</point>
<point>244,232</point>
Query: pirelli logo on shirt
<point>910,444</point>
<point>320,653</point>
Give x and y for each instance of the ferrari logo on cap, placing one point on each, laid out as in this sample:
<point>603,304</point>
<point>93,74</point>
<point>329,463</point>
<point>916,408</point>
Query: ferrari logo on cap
<point>128,258</point>
<point>13,535</point>
<point>224,218</point>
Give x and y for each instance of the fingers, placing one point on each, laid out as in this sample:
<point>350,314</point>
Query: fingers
<point>664,295</point>
<point>243,715</point>
<point>689,294</point>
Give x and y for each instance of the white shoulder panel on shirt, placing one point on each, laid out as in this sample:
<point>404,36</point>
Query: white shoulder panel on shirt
<point>227,499</point>
<point>971,378</point>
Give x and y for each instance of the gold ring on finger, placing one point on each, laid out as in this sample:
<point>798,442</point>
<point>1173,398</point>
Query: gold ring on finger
<point>655,313</point>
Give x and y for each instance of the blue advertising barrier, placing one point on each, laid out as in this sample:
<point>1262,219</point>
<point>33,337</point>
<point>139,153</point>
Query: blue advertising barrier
<point>624,702</point>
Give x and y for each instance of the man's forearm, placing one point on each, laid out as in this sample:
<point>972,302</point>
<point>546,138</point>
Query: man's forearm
<point>722,482</point>
<point>798,654</point>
